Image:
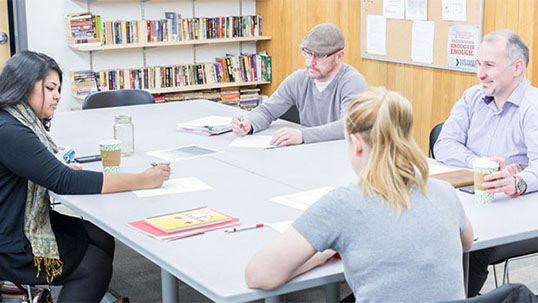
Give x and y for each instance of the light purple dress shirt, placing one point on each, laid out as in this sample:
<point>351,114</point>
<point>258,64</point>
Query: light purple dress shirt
<point>476,128</point>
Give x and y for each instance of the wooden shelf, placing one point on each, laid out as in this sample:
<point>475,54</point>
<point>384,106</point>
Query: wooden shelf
<point>189,88</point>
<point>167,43</point>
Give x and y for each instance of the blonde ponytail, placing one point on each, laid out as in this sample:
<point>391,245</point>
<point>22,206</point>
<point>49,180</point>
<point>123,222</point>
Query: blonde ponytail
<point>395,164</point>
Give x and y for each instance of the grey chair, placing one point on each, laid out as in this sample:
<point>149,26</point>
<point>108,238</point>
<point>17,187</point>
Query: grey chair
<point>121,97</point>
<point>508,293</point>
<point>292,115</point>
<point>434,134</point>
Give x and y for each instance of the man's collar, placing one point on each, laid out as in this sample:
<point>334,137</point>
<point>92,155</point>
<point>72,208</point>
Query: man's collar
<point>516,96</point>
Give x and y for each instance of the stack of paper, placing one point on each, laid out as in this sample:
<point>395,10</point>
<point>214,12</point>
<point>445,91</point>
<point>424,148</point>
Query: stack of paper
<point>211,125</point>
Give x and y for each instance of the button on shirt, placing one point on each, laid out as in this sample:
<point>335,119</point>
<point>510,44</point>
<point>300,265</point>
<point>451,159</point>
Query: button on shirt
<point>476,128</point>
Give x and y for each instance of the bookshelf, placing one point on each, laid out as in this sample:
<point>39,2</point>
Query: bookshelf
<point>94,48</point>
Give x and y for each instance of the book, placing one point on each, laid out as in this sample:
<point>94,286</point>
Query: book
<point>189,219</point>
<point>210,125</point>
<point>159,233</point>
<point>457,178</point>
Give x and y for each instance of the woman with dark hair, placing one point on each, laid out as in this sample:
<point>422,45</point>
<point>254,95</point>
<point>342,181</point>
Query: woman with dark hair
<point>38,245</point>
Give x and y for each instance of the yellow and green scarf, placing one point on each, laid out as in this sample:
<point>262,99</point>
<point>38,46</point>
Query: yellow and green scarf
<point>37,227</point>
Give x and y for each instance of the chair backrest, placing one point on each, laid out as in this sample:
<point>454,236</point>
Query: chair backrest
<point>507,293</point>
<point>434,134</point>
<point>292,115</point>
<point>121,97</point>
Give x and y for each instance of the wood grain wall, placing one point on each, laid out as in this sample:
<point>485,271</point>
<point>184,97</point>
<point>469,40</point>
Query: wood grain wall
<point>432,92</point>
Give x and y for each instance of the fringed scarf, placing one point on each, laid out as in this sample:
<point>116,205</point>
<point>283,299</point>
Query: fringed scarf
<point>37,227</point>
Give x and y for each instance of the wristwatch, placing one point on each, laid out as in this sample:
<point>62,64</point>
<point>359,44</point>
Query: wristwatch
<point>521,186</point>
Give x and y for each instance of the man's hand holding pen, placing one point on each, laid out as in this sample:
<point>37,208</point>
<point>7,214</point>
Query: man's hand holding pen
<point>241,126</point>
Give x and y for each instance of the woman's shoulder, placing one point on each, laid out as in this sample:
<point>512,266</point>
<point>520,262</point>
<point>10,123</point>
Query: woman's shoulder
<point>345,197</point>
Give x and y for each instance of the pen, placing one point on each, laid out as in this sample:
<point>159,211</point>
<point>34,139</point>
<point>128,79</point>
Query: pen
<point>153,163</point>
<point>241,122</point>
<point>236,229</point>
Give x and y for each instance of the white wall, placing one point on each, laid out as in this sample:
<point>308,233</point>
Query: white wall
<point>47,34</point>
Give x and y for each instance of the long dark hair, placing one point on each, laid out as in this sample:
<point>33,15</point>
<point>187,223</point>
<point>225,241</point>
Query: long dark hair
<point>20,75</point>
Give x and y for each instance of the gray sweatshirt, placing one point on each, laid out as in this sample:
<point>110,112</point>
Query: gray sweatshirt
<point>320,112</point>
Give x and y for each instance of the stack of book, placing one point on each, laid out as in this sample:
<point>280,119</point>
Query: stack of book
<point>184,224</point>
<point>229,96</point>
<point>155,77</point>
<point>83,29</point>
<point>83,83</point>
<point>249,98</point>
<point>211,125</point>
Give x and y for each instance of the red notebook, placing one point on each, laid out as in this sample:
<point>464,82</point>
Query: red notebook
<point>152,231</point>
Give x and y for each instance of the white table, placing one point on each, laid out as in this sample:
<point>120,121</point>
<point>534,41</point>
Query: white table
<point>243,180</point>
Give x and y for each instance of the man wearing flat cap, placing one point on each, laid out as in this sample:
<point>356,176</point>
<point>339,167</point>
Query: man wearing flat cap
<point>320,92</point>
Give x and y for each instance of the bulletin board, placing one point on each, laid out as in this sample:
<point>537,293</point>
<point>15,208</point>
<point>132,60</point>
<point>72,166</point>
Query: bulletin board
<point>398,43</point>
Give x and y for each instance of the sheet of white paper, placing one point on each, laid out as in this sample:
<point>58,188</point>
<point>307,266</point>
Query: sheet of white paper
<point>438,168</point>
<point>416,9</point>
<point>302,200</point>
<point>376,27</point>
<point>183,153</point>
<point>281,226</point>
<point>393,9</point>
<point>208,121</point>
<point>253,141</point>
<point>174,186</point>
<point>422,41</point>
<point>454,10</point>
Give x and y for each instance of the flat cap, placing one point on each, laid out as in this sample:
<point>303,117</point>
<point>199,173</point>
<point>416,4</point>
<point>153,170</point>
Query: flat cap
<point>324,39</point>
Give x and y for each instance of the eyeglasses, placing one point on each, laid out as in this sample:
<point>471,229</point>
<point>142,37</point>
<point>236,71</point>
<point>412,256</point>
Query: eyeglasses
<point>309,56</point>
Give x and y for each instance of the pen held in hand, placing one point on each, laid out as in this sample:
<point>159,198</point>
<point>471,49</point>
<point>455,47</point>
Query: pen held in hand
<point>154,164</point>
<point>236,229</point>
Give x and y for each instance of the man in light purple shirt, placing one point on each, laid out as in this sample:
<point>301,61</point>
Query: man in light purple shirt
<point>499,119</point>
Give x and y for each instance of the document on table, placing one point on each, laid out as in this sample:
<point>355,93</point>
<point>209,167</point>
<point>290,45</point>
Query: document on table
<point>174,186</point>
<point>183,153</point>
<point>281,226</point>
<point>302,200</point>
<point>416,9</point>
<point>438,168</point>
<point>454,10</point>
<point>376,35</point>
<point>422,41</point>
<point>252,141</point>
<point>393,9</point>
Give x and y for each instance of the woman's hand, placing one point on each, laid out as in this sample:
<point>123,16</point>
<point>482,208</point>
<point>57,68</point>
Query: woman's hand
<point>155,176</point>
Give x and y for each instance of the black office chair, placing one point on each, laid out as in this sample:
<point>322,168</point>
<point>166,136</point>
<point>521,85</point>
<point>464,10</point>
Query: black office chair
<point>434,134</point>
<point>508,293</point>
<point>292,115</point>
<point>122,97</point>
<point>519,250</point>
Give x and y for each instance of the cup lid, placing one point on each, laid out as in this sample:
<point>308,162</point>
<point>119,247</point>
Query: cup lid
<point>485,163</point>
<point>109,142</point>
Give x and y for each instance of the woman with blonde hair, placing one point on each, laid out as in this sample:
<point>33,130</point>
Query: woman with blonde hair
<point>400,234</point>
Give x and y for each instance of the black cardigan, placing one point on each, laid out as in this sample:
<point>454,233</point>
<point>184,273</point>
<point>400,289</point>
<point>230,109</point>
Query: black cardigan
<point>23,157</point>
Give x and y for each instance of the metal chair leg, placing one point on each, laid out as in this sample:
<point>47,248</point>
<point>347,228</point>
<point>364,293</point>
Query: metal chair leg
<point>495,276</point>
<point>505,274</point>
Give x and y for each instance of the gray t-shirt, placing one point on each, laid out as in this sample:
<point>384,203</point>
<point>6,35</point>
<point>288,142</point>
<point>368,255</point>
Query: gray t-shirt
<point>319,112</point>
<point>414,258</point>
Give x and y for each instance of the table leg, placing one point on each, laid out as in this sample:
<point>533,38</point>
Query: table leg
<point>275,299</point>
<point>169,287</point>
<point>466,272</point>
<point>332,292</point>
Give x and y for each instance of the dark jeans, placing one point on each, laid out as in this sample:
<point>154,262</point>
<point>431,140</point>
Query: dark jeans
<point>479,261</point>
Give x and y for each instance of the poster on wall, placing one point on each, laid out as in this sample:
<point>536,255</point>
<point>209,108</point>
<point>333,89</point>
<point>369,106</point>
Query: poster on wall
<point>463,40</point>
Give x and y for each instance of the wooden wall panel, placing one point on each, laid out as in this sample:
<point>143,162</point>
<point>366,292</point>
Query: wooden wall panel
<point>432,92</point>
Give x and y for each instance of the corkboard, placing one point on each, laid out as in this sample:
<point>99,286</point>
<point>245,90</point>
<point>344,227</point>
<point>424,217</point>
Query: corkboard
<point>399,33</point>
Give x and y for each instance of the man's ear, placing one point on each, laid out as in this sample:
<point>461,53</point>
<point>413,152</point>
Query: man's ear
<point>357,142</point>
<point>520,67</point>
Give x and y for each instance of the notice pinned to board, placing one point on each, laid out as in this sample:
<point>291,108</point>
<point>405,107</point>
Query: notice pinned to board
<point>463,41</point>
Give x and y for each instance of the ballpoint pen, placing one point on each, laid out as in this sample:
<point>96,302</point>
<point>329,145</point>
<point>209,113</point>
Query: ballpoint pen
<point>236,229</point>
<point>153,163</point>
